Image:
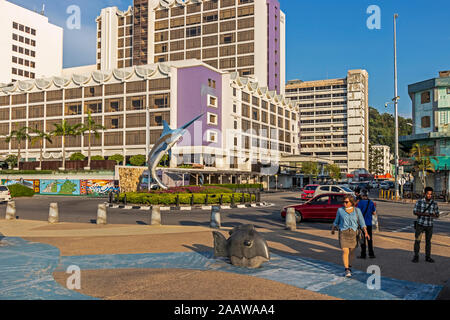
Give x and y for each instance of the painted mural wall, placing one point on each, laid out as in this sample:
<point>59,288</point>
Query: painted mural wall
<point>66,187</point>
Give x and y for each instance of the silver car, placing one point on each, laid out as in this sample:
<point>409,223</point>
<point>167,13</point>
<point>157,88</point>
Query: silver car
<point>5,195</point>
<point>332,189</point>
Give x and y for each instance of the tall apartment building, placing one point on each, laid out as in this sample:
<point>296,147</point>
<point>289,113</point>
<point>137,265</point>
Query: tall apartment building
<point>386,157</point>
<point>244,36</point>
<point>334,119</point>
<point>31,46</point>
<point>244,126</point>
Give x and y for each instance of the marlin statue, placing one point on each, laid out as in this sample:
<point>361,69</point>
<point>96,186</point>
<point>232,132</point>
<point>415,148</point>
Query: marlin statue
<point>164,145</point>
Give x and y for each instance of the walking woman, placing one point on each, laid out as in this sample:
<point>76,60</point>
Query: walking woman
<point>348,219</point>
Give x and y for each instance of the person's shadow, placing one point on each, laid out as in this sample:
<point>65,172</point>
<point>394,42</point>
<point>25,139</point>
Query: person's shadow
<point>1,237</point>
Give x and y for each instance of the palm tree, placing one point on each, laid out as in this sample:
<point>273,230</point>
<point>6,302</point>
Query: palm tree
<point>66,130</point>
<point>19,135</point>
<point>41,136</point>
<point>422,162</point>
<point>91,127</point>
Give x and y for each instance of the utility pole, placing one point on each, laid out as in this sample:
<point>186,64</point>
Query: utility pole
<point>396,110</point>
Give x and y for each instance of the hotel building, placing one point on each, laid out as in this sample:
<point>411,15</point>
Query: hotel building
<point>334,119</point>
<point>31,46</point>
<point>386,156</point>
<point>245,125</point>
<point>244,36</point>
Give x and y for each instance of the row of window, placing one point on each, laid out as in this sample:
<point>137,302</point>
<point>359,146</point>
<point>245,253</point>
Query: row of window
<point>320,96</point>
<point>25,51</point>
<point>195,8</point>
<point>24,62</point>
<point>23,73</point>
<point>311,89</point>
<point>24,40</point>
<point>23,28</point>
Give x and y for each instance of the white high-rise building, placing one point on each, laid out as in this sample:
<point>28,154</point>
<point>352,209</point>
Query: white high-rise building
<point>386,157</point>
<point>31,46</point>
<point>334,119</point>
<point>244,36</point>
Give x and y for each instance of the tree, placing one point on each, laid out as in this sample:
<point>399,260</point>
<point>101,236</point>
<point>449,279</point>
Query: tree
<point>11,160</point>
<point>118,158</point>
<point>78,156</point>
<point>376,161</point>
<point>19,135</point>
<point>334,171</point>
<point>41,136</point>
<point>98,158</point>
<point>423,155</point>
<point>64,130</point>
<point>92,128</point>
<point>138,160</point>
<point>311,169</point>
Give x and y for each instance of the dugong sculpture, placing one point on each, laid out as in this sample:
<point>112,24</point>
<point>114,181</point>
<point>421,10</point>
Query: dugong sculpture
<point>245,247</point>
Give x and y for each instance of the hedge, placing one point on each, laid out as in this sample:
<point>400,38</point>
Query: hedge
<point>18,190</point>
<point>237,186</point>
<point>185,199</point>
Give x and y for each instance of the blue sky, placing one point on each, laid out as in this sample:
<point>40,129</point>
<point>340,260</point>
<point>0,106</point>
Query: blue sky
<point>325,38</point>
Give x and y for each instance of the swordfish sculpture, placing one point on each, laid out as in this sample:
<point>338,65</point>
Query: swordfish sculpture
<point>164,145</point>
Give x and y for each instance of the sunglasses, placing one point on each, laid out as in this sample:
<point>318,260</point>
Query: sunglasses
<point>347,202</point>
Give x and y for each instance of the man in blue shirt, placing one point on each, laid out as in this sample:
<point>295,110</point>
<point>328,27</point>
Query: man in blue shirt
<point>368,210</point>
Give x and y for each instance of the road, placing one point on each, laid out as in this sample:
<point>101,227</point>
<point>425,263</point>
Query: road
<point>393,217</point>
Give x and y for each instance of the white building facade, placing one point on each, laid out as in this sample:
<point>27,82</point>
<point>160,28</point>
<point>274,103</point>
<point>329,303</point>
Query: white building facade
<point>334,119</point>
<point>385,153</point>
<point>244,36</point>
<point>31,46</point>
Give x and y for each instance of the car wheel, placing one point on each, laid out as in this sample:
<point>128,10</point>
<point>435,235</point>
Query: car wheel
<point>298,216</point>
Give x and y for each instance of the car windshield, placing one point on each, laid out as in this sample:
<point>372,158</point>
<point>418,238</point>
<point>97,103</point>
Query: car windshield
<point>311,188</point>
<point>3,188</point>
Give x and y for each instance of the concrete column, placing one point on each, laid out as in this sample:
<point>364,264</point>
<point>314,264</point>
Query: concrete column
<point>291,220</point>
<point>11,211</point>
<point>155,218</point>
<point>101,214</point>
<point>215,218</point>
<point>53,214</point>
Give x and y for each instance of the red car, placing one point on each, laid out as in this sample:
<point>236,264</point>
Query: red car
<point>324,206</point>
<point>308,191</point>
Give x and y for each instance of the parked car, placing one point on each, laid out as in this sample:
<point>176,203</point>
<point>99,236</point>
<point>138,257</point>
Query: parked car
<point>308,191</point>
<point>386,185</point>
<point>374,185</point>
<point>324,206</point>
<point>332,189</point>
<point>5,195</point>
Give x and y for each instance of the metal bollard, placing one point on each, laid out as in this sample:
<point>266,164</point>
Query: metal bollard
<point>221,200</point>
<point>155,218</point>
<point>215,218</point>
<point>192,201</point>
<point>206,199</point>
<point>232,201</point>
<point>11,211</point>
<point>177,201</point>
<point>291,220</point>
<point>111,197</point>
<point>125,202</point>
<point>53,214</point>
<point>101,214</point>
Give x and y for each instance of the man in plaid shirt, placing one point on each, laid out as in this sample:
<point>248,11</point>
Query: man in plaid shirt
<point>426,210</point>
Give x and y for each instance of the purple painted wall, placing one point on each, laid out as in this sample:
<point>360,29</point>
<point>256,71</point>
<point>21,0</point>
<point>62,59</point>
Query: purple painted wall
<point>192,101</point>
<point>273,47</point>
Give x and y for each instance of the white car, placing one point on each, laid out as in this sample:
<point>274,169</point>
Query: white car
<point>5,195</point>
<point>332,189</point>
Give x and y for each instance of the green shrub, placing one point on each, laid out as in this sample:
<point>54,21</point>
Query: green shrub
<point>77,157</point>
<point>18,190</point>
<point>185,199</point>
<point>236,186</point>
<point>96,158</point>
<point>11,160</point>
<point>118,158</point>
<point>138,160</point>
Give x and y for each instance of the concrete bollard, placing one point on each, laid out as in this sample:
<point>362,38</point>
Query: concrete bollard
<point>215,218</point>
<point>155,218</point>
<point>101,214</point>
<point>291,220</point>
<point>53,214</point>
<point>11,211</point>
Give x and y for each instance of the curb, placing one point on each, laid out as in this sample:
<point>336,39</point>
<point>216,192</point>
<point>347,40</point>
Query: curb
<point>445,292</point>
<point>189,208</point>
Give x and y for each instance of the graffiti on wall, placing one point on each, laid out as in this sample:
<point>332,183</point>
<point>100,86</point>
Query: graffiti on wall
<point>97,187</point>
<point>60,187</point>
<point>32,184</point>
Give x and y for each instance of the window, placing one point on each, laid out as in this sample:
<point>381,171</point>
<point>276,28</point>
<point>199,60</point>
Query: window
<point>212,118</point>
<point>426,122</point>
<point>73,109</point>
<point>135,103</point>
<point>212,101</point>
<point>193,31</point>
<point>212,136</point>
<point>321,201</point>
<point>425,97</point>
<point>94,107</point>
<point>212,83</point>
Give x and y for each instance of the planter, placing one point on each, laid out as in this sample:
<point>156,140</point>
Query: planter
<point>38,169</point>
<point>87,168</point>
<point>61,169</point>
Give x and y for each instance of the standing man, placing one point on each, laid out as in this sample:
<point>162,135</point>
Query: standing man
<point>368,210</point>
<point>426,210</point>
